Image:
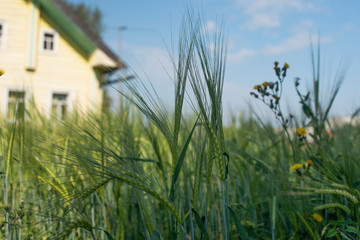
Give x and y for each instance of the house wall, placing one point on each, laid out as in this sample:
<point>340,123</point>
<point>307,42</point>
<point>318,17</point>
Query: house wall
<point>38,72</point>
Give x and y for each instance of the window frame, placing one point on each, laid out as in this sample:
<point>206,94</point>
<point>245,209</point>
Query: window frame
<point>55,43</point>
<point>58,114</point>
<point>69,100</point>
<point>3,37</point>
<point>27,94</point>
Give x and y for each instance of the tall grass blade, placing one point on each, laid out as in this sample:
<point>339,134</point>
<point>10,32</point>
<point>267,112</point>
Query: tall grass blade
<point>180,162</point>
<point>9,154</point>
<point>108,235</point>
<point>239,227</point>
<point>200,224</point>
<point>306,225</point>
<point>62,193</point>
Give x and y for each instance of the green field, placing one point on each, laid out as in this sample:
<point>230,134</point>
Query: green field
<point>148,172</point>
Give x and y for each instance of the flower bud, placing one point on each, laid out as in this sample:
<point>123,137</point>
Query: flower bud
<point>271,85</point>
<point>7,208</point>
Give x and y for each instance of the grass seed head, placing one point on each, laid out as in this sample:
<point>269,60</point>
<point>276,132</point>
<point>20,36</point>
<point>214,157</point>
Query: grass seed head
<point>317,217</point>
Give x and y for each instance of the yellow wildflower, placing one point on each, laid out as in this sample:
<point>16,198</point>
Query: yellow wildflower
<point>6,208</point>
<point>296,166</point>
<point>301,131</point>
<point>2,72</point>
<point>257,87</point>
<point>286,66</point>
<point>317,217</point>
<point>276,63</point>
<point>309,162</point>
<point>265,84</point>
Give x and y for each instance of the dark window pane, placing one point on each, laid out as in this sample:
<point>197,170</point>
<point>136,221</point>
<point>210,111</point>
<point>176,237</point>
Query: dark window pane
<point>59,96</point>
<point>59,105</point>
<point>49,35</point>
<point>17,94</point>
<point>53,109</point>
<point>11,110</point>
<point>48,41</point>
<point>63,111</point>
<point>16,103</point>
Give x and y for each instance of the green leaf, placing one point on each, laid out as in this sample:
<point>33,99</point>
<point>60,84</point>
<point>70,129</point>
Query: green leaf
<point>306,225</point>
<point>341,222</point>
<point>241,230</point>
<point>352,229</point>
<point>108,235</point>
<point>344,236</point>
<point>331,233</point>
<point>200,223</point>
<point>155,235</point>
<point>180,162</point>
<point>307,111</point>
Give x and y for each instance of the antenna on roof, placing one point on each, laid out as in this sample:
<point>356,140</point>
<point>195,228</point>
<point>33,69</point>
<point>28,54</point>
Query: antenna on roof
<point>120,28</point>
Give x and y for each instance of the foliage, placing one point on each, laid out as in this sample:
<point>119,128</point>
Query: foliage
<point>149,173</point>
<point>92,17</point>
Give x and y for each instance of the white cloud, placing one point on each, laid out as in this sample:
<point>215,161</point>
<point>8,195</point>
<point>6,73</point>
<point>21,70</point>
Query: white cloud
<point>240,55</point>
<point>262,21</point>
<point>296,42</point>
<point>303,25</point>
<point>267,13</point>
<point>210,27</point>
<point>350,27</point>
<point>254,6</point>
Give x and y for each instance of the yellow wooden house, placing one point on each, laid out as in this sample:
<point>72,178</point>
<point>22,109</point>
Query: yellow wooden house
<point>50,56</point>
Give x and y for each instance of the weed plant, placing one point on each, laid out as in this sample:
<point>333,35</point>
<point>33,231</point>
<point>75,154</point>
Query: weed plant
<point>150,173</point>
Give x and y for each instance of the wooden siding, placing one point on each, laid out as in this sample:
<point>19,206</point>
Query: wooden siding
<point>64,71</point>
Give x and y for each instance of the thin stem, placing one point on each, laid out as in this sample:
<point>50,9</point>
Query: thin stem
<point>191,217</point>
<point>291,143</point>
<point>224,212</point>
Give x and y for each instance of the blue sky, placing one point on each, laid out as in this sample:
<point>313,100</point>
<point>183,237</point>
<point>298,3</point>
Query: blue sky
<point>259,32</point>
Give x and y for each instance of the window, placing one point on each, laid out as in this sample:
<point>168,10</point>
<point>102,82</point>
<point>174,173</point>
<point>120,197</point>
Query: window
<point>1,32</point>
<point>59,105</point>
<point>16,104</point>
<point>49,41</point>
<point>2,35</point>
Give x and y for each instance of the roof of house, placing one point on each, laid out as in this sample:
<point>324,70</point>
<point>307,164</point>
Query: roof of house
<point>76,29</point>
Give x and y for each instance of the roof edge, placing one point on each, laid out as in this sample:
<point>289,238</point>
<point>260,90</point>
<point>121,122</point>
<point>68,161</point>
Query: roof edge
<point>89,33</point>
<point>73,32</point>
